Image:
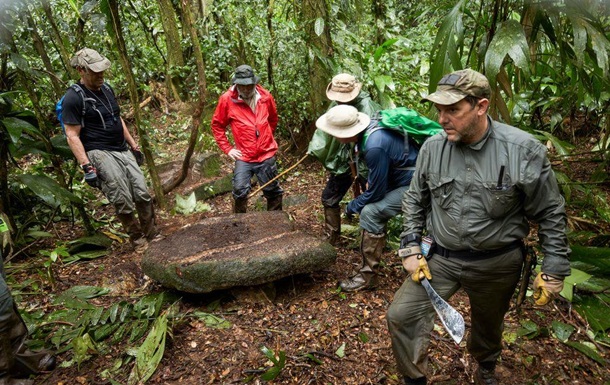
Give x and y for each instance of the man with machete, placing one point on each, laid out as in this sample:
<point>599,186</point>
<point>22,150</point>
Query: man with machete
<point>391,167</point>
<point>475,187</point>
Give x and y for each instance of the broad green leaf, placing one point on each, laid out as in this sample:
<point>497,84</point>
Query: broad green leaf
<point>319,26</point>
<point>363,337</point>
<point>85,292</point>
<point>150,353</point>
<point>562,331</point>
<point>444,53</point>
<point>529,329</point>
<point>562,148</point>
<point>48,189</point>
<point>595,310</point>
<point>509,40</point>
<point>576,276</point>
<point>15,127</point>
<point>84,348</point>
<point>212,321</point>
<point>86,255</point>
<point>341,351</point>
<point>586,350</point>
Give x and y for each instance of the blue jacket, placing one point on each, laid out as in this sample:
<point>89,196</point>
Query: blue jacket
<point>391,164</point>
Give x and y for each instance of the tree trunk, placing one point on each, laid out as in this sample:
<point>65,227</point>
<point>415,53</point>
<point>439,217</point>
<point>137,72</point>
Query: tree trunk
<point>57,40</point>
<point>321,46</point>
<point>174,49</point>
<point>133,96</point>
<point>42,51</point>
<point>187,15</point>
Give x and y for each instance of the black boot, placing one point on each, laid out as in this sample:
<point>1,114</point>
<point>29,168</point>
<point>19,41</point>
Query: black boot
<point>332,221</point>
<point>26,362</point>
<point>485,376</point>
<point>371,248</point>
<point>274,203</point>
<point>240,205</point>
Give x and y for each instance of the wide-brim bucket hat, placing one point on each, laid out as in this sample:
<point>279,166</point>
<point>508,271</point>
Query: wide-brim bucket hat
<point>244,75</point>
<point>343,88</point>
<point>343,121</point>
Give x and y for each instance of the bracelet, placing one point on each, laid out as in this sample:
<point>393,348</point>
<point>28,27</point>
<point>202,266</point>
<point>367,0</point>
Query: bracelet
<point>409,251</point>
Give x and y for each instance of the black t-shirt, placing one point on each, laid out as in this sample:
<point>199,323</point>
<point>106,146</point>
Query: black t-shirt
<point>97,134</point>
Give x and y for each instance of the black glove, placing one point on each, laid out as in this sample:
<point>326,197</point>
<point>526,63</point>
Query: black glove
<point>91,175</point>
<point>348,214</point>
<point>139,157</point>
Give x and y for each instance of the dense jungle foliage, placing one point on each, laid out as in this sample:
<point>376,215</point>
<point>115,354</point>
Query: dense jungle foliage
<point>548,62</point>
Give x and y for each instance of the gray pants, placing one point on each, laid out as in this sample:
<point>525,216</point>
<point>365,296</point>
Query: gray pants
<point>122,180</point>
<point>375,216</point>
<point>6,300</point>
<point>489,284</point>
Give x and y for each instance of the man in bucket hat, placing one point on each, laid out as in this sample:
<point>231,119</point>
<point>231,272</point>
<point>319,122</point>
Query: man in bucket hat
<point>336,156</point>
<point>250,111</point>
<point>390,167</point>
<point>475,187</point>
<point>101,143</point>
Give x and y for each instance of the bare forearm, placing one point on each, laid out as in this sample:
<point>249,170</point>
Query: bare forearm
<point>130,140</point>
<point>73,138</point>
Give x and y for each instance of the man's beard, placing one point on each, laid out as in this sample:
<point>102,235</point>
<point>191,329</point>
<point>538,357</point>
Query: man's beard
<point>249,95</point>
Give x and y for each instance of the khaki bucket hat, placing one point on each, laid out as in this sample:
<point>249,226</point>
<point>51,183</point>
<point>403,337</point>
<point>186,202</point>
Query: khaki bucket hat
<point>457,85</point>
<point>343,121</point>
<point>343,88</point>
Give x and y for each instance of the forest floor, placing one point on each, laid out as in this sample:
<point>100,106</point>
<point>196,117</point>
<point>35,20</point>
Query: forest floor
<point>310,320</point>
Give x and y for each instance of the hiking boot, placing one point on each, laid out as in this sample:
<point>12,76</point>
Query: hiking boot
<point>275,203</point>
<point>5,379</point>
<point>140,245</point>
<point>359,282</point>
<point>415,381</point>
<point>485,376</point>
<point>240,205</point>
<point>332,222</point>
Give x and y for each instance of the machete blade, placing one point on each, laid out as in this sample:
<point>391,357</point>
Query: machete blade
<point>452,320</point>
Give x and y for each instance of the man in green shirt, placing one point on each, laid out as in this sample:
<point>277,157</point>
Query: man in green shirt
<point>336,156</point>
<point>475,188</point>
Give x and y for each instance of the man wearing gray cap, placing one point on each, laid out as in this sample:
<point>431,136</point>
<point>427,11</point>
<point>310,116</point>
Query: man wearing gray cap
<point>476,186</point>
<point>338,157</point>
<point>250,111</point>
<point>100,141</point>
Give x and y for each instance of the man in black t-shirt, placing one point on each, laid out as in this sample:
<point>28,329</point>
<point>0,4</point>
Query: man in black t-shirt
<point>100,142</point>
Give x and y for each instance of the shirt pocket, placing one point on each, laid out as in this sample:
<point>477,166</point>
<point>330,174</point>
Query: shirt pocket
<point>499,202</point>
<point>441,189</point>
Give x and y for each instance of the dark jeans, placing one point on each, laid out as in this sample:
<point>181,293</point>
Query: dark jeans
<point>264,171</point>
<point>336,188</point>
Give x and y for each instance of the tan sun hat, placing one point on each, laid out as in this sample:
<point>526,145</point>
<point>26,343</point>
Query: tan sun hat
<point>90,58</point>
<point>343,88</point>
<point>343,121</point>
<point>457,85</point>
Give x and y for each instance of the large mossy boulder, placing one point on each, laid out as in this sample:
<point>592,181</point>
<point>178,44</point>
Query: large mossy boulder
<point>236,250</point>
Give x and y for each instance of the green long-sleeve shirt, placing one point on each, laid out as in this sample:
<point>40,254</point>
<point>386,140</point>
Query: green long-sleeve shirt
<point>460,195</point>
<point>334,155</point>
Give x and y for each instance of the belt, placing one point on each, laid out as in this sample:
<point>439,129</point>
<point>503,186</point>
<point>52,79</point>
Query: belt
<point>477,254</point>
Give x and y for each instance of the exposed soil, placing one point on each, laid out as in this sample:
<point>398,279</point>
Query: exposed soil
<point>308,318</point>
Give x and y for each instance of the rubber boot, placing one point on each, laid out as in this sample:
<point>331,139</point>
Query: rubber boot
<point>132,228</point>
<point>240,205</point>
<point>7,362</point>
<point>275,203</point>
<point>371,248</point>
<point>16,360</point>
<point>332,221</point>
<point>146,215</point>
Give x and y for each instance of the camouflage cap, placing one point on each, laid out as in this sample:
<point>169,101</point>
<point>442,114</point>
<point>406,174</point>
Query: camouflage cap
<point>457,85</point>
<point>90,58</point>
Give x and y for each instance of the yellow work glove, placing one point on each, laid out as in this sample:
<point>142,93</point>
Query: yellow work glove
<point>546,287</point>
<point>415,263</point>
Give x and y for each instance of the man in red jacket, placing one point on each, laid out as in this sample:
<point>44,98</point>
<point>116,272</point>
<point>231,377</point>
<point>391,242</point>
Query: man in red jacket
<point>250,111</point>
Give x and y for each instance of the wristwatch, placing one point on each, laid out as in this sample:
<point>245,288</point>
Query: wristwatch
<point>412,238</point>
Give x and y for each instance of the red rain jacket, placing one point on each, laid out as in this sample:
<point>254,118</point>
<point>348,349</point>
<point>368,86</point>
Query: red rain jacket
<point>252,133</point>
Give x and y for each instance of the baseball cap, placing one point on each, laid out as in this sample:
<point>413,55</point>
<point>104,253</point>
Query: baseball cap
<point>457,85</point>
<point>90,58</point>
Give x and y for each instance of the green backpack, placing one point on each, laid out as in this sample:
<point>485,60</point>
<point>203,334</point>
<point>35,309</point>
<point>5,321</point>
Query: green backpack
<point>408,123</point>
